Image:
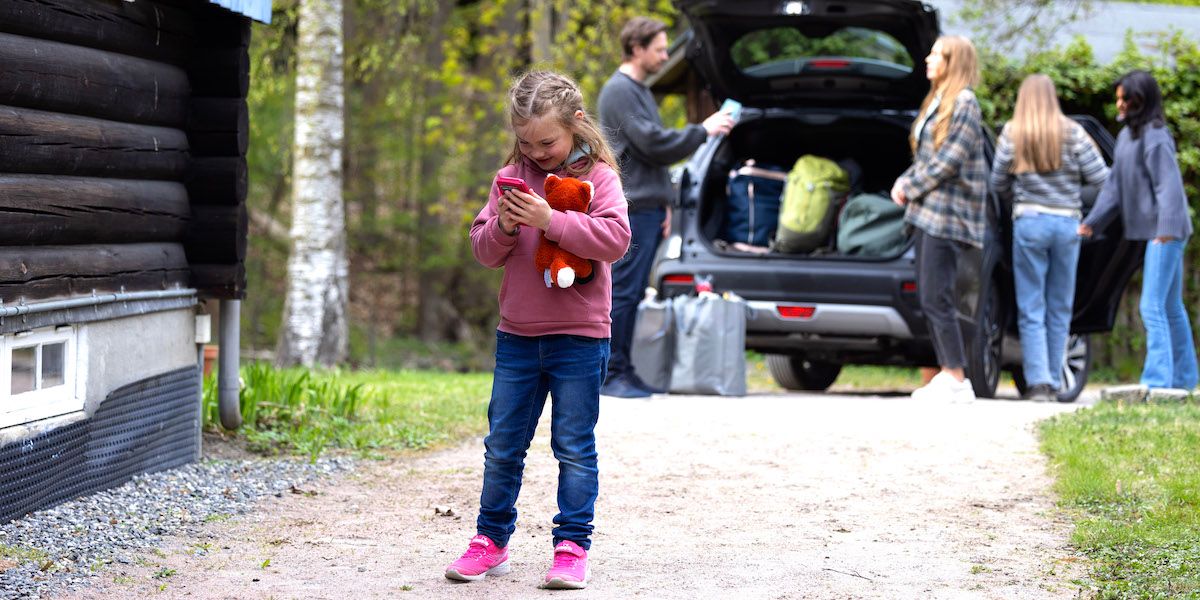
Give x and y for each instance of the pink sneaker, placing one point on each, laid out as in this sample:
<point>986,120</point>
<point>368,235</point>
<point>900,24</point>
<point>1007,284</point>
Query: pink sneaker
<point>482,558</point>
<point>570,570</point>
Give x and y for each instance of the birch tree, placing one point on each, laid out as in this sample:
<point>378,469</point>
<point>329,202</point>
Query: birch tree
<point>315,327</point>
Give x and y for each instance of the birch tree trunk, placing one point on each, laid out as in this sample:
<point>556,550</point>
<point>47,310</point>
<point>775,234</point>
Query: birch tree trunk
<point>315,327</point>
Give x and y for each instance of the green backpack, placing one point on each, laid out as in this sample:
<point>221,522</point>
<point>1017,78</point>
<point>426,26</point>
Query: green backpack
<point>809,205</point>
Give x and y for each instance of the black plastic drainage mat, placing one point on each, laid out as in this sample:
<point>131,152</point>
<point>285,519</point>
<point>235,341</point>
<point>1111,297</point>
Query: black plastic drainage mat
<point>143,427</point>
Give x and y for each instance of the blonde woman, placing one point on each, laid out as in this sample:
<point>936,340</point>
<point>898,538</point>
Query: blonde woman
<point>1044,159</point>
<point>943,192</point>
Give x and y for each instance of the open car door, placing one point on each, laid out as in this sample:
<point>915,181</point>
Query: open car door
<point>1106,260</point>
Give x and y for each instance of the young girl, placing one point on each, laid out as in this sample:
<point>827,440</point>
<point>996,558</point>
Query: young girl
<point>1045,159</point>
<point>550,340</point>
<point>1147,189</point>
<point>944,192</point>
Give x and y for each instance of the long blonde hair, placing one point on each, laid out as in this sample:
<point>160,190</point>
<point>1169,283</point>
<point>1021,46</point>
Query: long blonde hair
<point>962,72</point>
<point>1037,127</point>
<point>538,93</point>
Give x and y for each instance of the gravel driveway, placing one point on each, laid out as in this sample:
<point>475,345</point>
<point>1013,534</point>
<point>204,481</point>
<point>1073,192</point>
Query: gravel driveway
<point>766,496</point>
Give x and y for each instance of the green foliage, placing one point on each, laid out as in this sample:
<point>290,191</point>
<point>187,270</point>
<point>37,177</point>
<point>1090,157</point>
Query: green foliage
<point>1129,474</point>
<point>306,412</point>
<point>1087,88</point>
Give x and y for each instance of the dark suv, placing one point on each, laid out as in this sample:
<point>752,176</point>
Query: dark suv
<point>844,79</point>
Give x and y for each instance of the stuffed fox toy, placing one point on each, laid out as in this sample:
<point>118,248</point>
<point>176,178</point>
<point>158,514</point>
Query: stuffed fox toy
<point>561,267</point>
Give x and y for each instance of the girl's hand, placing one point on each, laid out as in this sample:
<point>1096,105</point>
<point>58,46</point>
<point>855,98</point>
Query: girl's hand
<point>1162,239</point>
<point>508,223</point>
<point>529,209</point>
<point>898,194</point>
<point>1085,230</point>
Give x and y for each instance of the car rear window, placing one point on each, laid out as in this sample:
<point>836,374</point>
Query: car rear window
<point>784,51</point>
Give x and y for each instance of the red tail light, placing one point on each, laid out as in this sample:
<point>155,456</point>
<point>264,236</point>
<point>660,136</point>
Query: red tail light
<point>908,287</point>
<point>829,63</point>
<point>796,312</point>
<point>680,279</point>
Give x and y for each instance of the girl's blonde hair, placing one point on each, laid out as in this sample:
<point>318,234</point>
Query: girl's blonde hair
<point>1037,127</point>
<point>538,93</point>
<point>962,72</point>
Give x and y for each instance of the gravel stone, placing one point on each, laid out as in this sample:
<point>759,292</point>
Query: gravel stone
<point>63,547</point>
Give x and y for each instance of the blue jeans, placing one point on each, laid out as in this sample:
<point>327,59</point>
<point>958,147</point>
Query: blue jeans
<point>1170,351</point>
<point>570,368</point>
<point>1045,257</point>
<point>630,275</point>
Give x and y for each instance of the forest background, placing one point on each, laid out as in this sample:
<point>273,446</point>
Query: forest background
<point>425,131</point>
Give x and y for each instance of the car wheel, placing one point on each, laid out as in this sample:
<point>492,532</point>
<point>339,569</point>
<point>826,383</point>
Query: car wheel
<point>1077,365</point>
<point>800,373</point>
<point>983,355</point>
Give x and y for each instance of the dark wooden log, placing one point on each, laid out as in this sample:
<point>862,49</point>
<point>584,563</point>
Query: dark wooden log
<point>70,79</point>
<point>33,273</point>
<point>146,29</point>
<point>219,127</point>
<point>217,180</point>
<point>225,282</point>
<point>223,28</point>
<point>217,234</point>
<point>39,142</point>
<point>45,210</point>
<point>220,72</point>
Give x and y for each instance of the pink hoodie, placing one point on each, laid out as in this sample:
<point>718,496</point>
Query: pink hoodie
<point>527,306</point>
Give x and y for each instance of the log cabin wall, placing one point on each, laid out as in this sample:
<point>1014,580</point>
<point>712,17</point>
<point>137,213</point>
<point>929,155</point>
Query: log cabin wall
<point>123,134</point>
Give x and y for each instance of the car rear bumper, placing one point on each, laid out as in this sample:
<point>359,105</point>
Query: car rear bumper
<point>827,319</point>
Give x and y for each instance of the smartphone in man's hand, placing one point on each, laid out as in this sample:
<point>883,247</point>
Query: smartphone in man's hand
<point>732,107</point>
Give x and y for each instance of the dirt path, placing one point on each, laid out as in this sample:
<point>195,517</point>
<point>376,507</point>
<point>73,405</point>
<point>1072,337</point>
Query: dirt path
<point>759,497</point>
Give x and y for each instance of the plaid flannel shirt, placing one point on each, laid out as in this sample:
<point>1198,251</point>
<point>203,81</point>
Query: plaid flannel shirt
<point>945,187</point>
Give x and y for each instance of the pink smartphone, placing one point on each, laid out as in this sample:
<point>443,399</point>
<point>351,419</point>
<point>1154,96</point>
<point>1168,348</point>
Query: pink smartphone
<point>512,183</point>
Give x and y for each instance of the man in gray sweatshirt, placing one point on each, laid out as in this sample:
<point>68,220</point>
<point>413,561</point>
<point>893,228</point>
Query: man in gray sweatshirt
<point>645,150</point>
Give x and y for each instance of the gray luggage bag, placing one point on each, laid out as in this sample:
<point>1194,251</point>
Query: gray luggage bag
<point>653,341</point>
<point>710,345</point>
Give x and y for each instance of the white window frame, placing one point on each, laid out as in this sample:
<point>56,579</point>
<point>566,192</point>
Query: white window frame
<point>16,409</point>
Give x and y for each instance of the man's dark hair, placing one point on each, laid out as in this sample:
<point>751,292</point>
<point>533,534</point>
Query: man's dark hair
<point>638,32</point>
<point>1143,101</point>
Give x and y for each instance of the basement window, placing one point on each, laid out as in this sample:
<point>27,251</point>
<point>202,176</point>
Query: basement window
<point>37,375</point>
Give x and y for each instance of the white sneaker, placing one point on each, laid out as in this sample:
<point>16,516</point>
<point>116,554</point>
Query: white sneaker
<point>938,388</point>
<point>945,388</point>
<point>963,391</point>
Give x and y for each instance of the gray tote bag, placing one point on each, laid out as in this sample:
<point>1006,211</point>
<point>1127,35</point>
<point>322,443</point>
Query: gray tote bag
<point>653,342</point>
<point>710,345</point>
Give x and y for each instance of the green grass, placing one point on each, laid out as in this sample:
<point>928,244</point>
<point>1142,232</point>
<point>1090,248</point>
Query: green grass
<point>1130,474</point>
<point>22,554</point>
<point>852,377</point>
<point>307,412</point>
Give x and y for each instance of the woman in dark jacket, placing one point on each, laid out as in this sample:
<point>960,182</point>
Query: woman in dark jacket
<point>1146,187</point>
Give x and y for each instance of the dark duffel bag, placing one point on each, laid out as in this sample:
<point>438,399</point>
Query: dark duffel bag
<point>752,211</point>
<point>871,225</point>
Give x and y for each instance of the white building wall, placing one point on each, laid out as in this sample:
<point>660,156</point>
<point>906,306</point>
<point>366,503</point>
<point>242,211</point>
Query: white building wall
<point>122,351</point>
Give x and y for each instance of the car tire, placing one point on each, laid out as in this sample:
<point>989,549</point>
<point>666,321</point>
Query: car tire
<point>801,374</point>
<point>983,353</point>
<point>1077,365</point>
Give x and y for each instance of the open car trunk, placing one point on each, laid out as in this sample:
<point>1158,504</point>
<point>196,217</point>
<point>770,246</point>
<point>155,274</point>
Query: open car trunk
<point>872,148</point>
